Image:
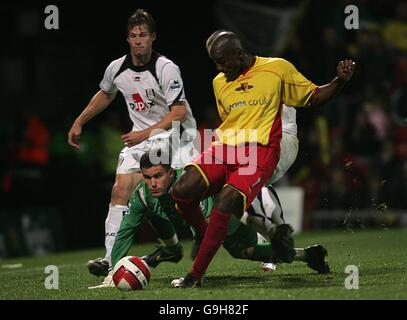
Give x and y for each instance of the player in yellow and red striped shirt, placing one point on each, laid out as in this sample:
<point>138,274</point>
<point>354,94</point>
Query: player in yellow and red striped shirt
<point>249,92</point>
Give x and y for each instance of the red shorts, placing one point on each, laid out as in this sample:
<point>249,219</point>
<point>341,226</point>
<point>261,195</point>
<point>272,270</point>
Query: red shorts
<point>246,168</point>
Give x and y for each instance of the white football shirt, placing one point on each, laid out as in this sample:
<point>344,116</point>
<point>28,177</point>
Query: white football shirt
<point>149,90</point>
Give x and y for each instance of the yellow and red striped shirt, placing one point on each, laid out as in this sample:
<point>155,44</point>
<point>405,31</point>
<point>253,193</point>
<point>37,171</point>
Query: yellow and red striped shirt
<point>249,105</point>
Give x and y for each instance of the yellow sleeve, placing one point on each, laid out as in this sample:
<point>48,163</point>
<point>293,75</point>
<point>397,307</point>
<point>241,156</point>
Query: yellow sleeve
<point>221,110</point>
<point>296,89</point>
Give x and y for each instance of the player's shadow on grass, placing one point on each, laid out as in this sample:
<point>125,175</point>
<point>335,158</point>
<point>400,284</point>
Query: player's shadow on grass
<point>282,281</point>
<point>308,281</point>
<point>381,270</point>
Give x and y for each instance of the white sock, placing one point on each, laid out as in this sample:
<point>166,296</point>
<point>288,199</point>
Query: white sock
<point>112,224</point>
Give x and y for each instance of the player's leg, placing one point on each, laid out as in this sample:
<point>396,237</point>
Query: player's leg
<point>264,215</point>
<point>289,146</point>
<point>228,202</point>
<point>127,178</point>
<point>118,207</point>
<point>267,266</point>
<point>206,206</point>
<point>243,243</point>
<point>202,178</point>
<point>243,184</point>
<point>280,235</point>
<point>265,212</point>
<point>231,200</point>
<point>243,246</point>
<point>123,240</point>
<point>121,192</point>
<point>187,192</point>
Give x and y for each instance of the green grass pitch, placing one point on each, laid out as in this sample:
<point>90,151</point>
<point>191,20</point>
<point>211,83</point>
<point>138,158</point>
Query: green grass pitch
<point>380,255</point>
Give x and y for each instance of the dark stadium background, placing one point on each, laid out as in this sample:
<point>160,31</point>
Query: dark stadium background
<point>353,151</point>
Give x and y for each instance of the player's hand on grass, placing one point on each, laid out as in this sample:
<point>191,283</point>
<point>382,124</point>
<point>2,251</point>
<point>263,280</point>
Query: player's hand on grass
<point>345,70</point>
<point>74,135</point>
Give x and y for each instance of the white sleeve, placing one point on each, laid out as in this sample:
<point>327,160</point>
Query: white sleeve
<point>171,84</point>
<point>107,84</point>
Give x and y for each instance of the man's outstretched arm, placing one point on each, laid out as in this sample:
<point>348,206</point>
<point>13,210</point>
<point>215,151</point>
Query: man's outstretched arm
<point>344,72</point>
<point>97,104</point>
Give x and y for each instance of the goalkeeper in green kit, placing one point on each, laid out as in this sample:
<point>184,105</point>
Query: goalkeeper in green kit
<point>253,241</point>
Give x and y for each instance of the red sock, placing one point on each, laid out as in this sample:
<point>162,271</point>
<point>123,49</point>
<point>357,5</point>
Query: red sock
<point>190,211</point>
<point>215,234</point>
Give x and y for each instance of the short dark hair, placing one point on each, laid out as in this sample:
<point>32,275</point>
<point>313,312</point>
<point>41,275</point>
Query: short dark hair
<point>139,17</point>
<point>215,35</point>
<point>228,41</point>
<point>155,157</point>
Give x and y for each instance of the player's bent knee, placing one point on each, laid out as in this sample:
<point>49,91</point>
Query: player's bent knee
<point>120,193</point>
<point>229,200</point>
<point>179,190</point>
<point>189,186</point>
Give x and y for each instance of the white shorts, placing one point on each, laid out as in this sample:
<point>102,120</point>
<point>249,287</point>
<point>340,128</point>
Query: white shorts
<point>181,154</point>
<point>288,154</point>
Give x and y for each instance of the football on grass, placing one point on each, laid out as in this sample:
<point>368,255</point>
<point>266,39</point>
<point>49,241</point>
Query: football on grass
<point>131,273</point>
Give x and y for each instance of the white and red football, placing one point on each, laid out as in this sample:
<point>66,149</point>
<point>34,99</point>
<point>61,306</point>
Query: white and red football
<point>131,273</point>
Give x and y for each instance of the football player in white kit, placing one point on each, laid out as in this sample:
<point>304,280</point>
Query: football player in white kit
<point>288,143</point>
<point>264,220</point>
<point>154,93</point>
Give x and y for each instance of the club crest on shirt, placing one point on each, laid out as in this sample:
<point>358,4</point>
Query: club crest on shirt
<point>150,94</point>
<point>244,86</point>
<point>174,84</point>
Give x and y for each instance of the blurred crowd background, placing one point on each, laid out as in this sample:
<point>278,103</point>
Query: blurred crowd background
<point>352,161</point>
